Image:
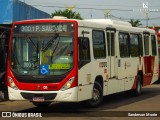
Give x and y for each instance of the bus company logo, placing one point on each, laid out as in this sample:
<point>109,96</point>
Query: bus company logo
<point>145,5</point>
<point>20,115</point>
<point>6,114</point>
<point>38,87</point>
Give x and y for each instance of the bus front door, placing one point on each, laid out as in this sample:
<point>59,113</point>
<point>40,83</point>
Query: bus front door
<point>111,62</point>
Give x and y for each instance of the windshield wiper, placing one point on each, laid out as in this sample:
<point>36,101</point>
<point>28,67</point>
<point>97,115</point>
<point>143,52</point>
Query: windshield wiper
<point>55,49</point>
<point>29,40</point>
<point>50,43</point>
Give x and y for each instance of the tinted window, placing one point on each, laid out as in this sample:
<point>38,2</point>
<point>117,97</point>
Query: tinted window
<point>140,45</point>
<point>153,40</point>
<point>84,53</point>
<point>134,45</point>
<point>146,44</point>
<point>110,43</point>
<point>124,44</point>
<point>99,47</point>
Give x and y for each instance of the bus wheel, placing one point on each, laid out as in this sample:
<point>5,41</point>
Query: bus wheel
<point>97,95</point>
<point>41,104</point>
<point>138,89</point>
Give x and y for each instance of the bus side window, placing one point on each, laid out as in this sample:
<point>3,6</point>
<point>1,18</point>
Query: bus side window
<point>140,45</point>
<point>154,50</point>
<point>134,45</point>
<point>84,51</point>
<point>146,44</point>
<point>99,46</point>
<point>124,44</point>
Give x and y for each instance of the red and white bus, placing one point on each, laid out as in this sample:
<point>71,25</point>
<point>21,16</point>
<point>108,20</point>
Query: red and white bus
<point>79,60</point>
<point>158,38</point>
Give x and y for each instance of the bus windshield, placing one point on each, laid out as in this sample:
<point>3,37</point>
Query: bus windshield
<point>42,48</point>
<point>42,55</point>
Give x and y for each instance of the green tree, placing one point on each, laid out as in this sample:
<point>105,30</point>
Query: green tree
<point>67,13</point>
<point>135,23</point>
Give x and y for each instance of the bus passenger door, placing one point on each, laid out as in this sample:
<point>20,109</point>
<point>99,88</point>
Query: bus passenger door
<point>112,82</point>
<point>124,61</point>
<point>148,58</point>
<point>111,54</point>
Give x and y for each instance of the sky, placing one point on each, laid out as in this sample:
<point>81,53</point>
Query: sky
<point>98,9</point>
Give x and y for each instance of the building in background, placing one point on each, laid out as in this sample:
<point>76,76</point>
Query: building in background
<point>11,11</point>
<point>15,10</point>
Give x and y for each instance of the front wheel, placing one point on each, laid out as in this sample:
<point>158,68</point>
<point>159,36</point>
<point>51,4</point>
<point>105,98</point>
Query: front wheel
<point>97,96</point>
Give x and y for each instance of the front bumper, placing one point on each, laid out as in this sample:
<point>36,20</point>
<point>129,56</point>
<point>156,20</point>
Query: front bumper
<point>70,95</point>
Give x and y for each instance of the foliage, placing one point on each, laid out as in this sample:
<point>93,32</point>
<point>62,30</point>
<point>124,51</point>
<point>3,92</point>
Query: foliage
<point>135,23</point>
<point>67,13</point>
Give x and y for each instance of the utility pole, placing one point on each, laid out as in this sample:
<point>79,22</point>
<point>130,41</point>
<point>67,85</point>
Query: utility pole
<point>146,11</point>
<point>107,13</point>
<point>91,13</point>
<point>147,17</point>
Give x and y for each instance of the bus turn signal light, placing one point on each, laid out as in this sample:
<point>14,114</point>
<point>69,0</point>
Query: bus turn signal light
<point>68,84</point>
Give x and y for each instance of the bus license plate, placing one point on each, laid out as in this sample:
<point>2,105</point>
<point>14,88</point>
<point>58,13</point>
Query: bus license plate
<point>38,99</point>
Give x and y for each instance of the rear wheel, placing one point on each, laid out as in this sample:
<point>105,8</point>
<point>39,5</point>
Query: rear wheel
<point>138,89</point>
<point>41,104</point>
<point>97,96</point>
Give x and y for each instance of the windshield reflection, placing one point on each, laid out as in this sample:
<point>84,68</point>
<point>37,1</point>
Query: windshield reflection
<point>43,55</point>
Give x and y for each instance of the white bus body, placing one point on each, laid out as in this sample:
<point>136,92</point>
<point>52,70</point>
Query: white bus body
<point>112,56</point>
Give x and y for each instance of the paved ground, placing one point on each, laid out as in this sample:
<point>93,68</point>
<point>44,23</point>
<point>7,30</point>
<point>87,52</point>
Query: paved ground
<point>118,105</point>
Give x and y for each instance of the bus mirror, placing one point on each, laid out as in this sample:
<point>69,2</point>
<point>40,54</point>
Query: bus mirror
<point>85,43</point>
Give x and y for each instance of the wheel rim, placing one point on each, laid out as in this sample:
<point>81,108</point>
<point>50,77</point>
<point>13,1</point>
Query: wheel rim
<point>95,95</point>
<point>138,87</point>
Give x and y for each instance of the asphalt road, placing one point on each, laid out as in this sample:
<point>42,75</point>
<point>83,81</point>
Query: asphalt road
<point>117,106</point>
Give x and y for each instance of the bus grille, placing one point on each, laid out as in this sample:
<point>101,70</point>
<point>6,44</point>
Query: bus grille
<point>47,96</point>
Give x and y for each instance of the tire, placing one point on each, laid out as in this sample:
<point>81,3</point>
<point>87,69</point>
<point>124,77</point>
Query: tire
<point>138,90</point>
<point>41,104</point>
<point>97,96</point>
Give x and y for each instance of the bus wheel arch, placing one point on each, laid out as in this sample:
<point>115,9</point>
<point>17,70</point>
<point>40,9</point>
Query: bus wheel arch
<point>97,93</point>
<point>99,79</point>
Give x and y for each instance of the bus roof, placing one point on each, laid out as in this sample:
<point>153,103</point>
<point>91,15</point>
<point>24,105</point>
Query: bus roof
<point>118,25</point>
<point>97,23</point>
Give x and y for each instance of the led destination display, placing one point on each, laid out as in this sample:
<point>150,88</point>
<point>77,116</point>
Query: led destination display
<point>45,27</point>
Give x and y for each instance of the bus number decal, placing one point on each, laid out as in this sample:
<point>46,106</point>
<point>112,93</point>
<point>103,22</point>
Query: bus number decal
<point>50,87</point>
<point>45,87</point>
<point>102,64</point>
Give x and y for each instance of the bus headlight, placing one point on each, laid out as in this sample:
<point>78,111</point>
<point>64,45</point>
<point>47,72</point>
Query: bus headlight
<point>12,84</point>
<point>68,84</point>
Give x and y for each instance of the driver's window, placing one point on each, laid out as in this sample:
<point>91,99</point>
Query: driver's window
<point>84,51</point>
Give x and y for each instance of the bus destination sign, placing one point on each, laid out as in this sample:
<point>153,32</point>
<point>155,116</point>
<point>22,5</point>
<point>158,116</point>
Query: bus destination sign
<point>44,27</point>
